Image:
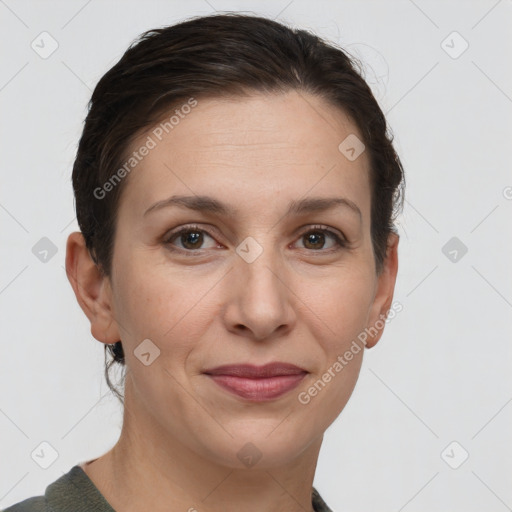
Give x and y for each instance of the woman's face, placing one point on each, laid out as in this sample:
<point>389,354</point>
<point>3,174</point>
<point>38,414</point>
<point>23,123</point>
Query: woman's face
<point>266,280</point>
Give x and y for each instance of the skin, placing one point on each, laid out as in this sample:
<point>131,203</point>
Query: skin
<point>300,301</point>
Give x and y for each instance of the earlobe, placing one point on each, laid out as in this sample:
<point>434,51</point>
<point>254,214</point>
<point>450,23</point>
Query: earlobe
<point>92,289</point>
<point>384,292</point>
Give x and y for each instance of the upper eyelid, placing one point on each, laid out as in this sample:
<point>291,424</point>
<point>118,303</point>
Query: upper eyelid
<point>184,229</point>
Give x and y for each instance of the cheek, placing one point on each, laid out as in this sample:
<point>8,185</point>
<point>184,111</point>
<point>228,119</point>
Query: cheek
<point>341,301</point>
<point>339,310</point>
<point>164,305</point>
<point>343,308</point>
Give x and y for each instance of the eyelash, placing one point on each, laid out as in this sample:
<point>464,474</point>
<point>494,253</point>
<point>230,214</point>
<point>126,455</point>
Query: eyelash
<point>340,243</point>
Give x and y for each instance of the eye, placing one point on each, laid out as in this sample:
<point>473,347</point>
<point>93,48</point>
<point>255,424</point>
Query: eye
<point>191,238</point>
<point>316,238</point>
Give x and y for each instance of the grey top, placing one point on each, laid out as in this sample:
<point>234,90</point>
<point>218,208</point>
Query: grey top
<point>75,492</point>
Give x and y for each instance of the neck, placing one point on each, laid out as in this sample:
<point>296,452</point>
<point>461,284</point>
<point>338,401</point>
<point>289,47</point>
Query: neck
<point>149,469</point>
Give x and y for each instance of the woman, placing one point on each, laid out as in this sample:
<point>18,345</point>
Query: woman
<point>236,187</point>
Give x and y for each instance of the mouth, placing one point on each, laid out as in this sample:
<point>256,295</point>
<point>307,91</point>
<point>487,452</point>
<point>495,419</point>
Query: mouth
<point>257,383</point>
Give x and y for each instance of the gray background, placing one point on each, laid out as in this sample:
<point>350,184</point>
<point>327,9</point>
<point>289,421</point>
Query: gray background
<point>441,372</point>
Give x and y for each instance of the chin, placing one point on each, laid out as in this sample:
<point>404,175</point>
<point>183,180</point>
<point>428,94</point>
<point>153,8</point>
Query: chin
<point>260,447</point>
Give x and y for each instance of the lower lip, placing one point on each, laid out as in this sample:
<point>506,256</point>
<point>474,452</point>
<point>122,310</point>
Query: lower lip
<point>258,390</point>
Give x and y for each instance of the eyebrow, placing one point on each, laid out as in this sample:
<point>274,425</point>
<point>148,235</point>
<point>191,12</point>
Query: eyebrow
<point>209,204</point>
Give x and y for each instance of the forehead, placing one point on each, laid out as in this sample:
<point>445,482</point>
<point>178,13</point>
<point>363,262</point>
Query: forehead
<point>248,148</point>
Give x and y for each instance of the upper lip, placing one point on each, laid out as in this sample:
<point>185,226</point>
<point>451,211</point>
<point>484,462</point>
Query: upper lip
<point>254,372</point>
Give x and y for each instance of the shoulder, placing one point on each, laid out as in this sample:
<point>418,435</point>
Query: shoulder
<point>34,504</point>
<point>319,504</point>
<point>72,492</point>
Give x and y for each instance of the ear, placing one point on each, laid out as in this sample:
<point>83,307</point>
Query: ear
<point>384,291</point>
<point>92,289</point>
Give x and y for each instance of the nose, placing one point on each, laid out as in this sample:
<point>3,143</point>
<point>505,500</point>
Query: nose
<point>260,300</point>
